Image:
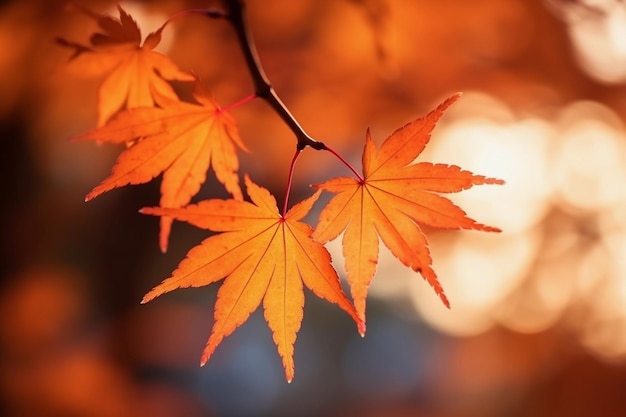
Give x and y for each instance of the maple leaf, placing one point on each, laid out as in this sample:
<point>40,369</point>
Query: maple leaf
<point>137,73</point>
<point>179,139</point>
<point>393,198</point>
<point>264,257</point>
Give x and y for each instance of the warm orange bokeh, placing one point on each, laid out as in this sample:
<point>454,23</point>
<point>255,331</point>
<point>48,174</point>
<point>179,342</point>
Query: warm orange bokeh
<point>537,322</point>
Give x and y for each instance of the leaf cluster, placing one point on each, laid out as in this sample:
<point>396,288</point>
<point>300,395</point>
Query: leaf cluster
<point>263,254</point>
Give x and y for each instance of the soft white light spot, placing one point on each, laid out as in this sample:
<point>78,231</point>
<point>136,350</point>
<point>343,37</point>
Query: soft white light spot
<point>477,273</point>
<point>516,153</point>
<point>590,165</point>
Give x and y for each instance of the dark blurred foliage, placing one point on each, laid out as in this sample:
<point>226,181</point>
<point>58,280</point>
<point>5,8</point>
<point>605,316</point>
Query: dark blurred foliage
<point>74,340</point>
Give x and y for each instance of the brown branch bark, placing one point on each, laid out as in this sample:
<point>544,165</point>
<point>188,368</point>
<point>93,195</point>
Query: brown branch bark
<point>236,15</point>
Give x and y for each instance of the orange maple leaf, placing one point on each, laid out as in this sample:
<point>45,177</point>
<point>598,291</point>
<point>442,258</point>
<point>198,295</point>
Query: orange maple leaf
<point>393,198</point>
<point>138,73</point>
<point>180,139</point>
<point>264,256</point>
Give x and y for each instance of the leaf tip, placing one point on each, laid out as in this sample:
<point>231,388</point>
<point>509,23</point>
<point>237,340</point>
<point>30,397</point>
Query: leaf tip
<point>163,243</point>
<point>447,103</point>
<point>91,196</point>
<point>445,300</point>
<point>289,373</point>
<point>361,328</point>
<point>246,179</point>
<point>147,210</point>
<point>204,358</point>
<point>206,354</point>
<point>147,298</point>
<point>485,228</point>
<point>97,191</point>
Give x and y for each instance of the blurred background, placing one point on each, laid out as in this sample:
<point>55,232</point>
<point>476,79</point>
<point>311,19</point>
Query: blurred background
<point>538,319</point>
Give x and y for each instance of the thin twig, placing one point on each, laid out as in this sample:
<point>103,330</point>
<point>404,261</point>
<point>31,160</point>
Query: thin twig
<point>290,180</point>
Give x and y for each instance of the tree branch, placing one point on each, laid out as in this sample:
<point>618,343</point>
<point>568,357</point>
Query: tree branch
<point>236,15</point>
